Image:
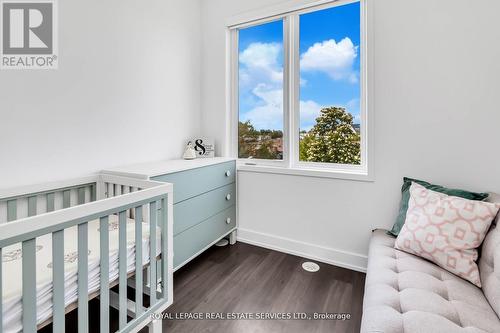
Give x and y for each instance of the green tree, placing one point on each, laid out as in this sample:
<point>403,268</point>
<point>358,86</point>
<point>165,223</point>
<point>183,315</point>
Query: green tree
<point>304,143</point>
<point>246,129</point>
<point>332,140</point>
<point>257,144</point>
<point>266,151</point>
<point>276,134</point>
<point>247,136</point>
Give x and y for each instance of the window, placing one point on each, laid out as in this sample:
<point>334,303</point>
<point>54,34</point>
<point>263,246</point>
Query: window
<point>329,86</point>
<point>260,126</point>
<point>298,89</point>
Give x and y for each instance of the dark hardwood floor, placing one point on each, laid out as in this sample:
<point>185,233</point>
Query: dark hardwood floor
<point>249,279</point>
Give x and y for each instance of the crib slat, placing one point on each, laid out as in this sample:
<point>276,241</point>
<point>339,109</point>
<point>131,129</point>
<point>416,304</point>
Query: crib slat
<point>22,208</point>
<point>83,284</point>
<point>164,256</point>
<point>66,199</point>
<point>58,280</point>
<point>87,193</point>
<point>50,202</point>
<point>81,195</point>
<point>153,214</point>
<point>32,206</point>
<point>73,201</point>
<point>132,211</point>
<point>122,265</point>
<point>3,211</point>
<point>104,255</point>
<point>29,285</point>
<point>41,204</point>
<point>58,200</point>
<point>138,262</point>
<point>11,210</point>
<point>1,294</point>
<point>93,192</point>
<point>111,190</point>
<point>125,190</point>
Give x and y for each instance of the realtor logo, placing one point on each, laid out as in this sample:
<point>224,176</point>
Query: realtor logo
<point>28,34</point>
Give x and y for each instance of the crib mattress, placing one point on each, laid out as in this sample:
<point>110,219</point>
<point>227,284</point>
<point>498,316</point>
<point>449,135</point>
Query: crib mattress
<point>12,268</point>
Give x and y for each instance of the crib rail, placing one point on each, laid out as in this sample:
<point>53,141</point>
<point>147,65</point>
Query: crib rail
<point>139,196</point>
<point>38,199</point>
<point>111,185</point>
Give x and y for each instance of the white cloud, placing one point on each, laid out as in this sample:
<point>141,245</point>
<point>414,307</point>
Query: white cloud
<point>268,115</point>
<point>261,73</point>
<point>335,59</point>
<point>309,111</point>
<point>260,63</point>
<point>352,107</point>
<point>260,54</point>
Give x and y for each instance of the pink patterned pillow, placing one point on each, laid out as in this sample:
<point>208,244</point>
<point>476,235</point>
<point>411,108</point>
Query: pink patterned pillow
<point>446,230</point>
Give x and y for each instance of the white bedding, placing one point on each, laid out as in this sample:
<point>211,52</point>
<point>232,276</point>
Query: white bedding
<point>12,262</point>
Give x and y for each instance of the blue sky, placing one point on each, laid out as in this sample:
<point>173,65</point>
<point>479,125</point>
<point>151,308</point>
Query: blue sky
<point>329,53</point>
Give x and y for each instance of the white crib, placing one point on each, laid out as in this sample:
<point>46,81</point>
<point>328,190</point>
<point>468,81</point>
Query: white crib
<point>56,239</point>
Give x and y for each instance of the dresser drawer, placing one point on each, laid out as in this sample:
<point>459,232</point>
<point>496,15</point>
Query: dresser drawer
<point>195,239</point>
<point>192,211</point>
<point>190,183</point>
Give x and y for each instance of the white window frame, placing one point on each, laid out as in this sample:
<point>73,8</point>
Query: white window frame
<point>290,164</point>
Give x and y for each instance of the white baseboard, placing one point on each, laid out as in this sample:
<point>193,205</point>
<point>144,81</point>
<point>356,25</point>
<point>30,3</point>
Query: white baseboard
<point>345,259</point>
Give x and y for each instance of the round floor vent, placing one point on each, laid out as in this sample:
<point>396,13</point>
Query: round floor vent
<point>310,266</point>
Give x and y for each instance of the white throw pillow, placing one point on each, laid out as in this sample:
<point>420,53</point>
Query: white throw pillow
<point>446,230</point>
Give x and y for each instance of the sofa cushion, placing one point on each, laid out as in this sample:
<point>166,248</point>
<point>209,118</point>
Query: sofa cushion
<point>405,293</point>
<point>489,264</point>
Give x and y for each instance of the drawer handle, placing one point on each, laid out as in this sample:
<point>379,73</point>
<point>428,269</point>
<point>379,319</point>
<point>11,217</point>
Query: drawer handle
<point>228,197</point>
<point>228,173</point>
<point>228,220</point>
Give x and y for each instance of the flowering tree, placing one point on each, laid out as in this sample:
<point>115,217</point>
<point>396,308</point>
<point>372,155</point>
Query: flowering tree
<point>332,140</point>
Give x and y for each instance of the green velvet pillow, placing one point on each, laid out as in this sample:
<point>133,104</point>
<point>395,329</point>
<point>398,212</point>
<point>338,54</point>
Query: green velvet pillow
<point>405,191</point>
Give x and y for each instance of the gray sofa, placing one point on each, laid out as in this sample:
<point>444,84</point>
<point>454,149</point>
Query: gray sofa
<point>404,293</point>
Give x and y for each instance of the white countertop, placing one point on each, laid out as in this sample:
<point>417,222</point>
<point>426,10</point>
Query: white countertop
<point>152,169</point>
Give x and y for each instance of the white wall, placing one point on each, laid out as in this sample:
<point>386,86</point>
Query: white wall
<point>437,117</point>
<point>127,90</point>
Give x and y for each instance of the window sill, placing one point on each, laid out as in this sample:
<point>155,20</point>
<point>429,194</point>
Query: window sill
<point>308,172</point>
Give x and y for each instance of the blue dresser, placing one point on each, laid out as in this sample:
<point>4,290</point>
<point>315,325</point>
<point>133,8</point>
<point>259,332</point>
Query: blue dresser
<point>204,201</point>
